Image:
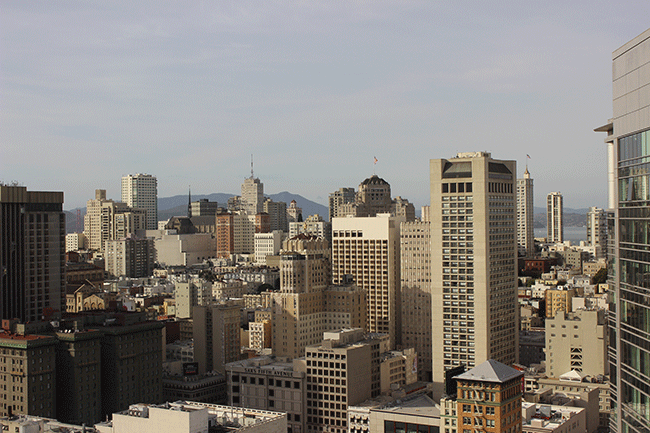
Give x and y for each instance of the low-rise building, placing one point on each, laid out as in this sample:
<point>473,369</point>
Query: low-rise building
<point>544,418</point>
<point>193,417</point>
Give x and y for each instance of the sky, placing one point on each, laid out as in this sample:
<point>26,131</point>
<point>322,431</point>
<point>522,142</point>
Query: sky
<point>314,90</point>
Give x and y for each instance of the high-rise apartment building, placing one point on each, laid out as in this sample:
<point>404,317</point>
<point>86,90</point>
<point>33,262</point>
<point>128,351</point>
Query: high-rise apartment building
<point>525,212</point>
<point>216,336</point>
<point>32,253</point>
<point>252,195</point>
<point>141,191</point>
<point>628,133</point>
<point>337,199</point>
<point>597,231</point>
<point>307,305</point>
<point>554,218</point>
<point>106,220</point>
<point>415,271</point>
<point>129,257</point>
<point>368,249</point>
<point>473,261</point>
<point>277,211</point>
<point>343,370</point>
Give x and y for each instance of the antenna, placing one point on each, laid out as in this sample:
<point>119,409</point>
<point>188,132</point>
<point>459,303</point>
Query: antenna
<point>252,166</point>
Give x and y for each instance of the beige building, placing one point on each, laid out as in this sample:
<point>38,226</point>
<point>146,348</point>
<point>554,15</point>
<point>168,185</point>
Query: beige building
<point>415,272</point>
<point>260,335</point>
<point>368,249</point>
<point>107,219</point>
<point>559,299</point>
<point>554,218</point>
<point>525,213</point>
<point>343,370</point>
<point>271,384</point>
<point>216,336</point>
<point>141,191</point>
<point>474,262</point>
<point>277,211</point>
<point>577,341</point>
<point>189,294</point>
<point>129,257</point>
<point>314,225</point>
<point>252,195</point>
<point>193,417</point>
<point>74,242</point>
<point>307,305</point>
<point>337,199</point>
<point>267,244</point>
<point>597,231</point>
<point>398,369</point>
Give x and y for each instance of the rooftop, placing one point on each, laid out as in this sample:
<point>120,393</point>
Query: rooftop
<point>490,371</point>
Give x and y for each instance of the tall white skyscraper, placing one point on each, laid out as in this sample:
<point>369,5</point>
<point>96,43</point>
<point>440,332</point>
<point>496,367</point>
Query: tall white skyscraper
<point>554,218</point>
<point>252,195</point>
<point>141,191</point>
<point>473,261</point>
<point>525,210</point>
<point>597,231</point>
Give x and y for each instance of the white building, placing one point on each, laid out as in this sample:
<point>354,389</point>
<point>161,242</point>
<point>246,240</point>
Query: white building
<point>184,250</point>
<point>546,418</point>
<point>554,218</point>
<point>74,242</point>
<point>525,211</point>
<point>597,231</point>
<point>141,191</point>
<point>252,195</point>
<point>267,244</point>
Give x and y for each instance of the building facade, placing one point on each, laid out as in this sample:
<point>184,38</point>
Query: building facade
<point>415,273</point>
<point>627,134</point>
<point>32,253</point>
<point>473,261</point>
<point>554,218</point>
<point>337,199</point>
<point>252,195</point>
<point>216,336</point>
<point>367,248</point>
<point>129,257</point>
<point>525,213</point>
<point>597,231</point>
<point>141,191</point>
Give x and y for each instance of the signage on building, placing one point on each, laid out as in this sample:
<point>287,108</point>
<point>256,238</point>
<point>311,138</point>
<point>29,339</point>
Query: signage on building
<point>190,368</point>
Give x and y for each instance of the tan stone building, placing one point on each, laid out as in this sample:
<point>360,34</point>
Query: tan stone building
<point>525,213</point>
<point>559,299</point>
<point>368,249</point>
<point>474,261</point>
<point>415,273</point>
<point>343,370</point>
<point>141,191</point>
<point>107,219</point>
<point>577,341</point>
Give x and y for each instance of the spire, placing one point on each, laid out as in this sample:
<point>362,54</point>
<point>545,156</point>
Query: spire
<point>189,202</point>
<point>252,166</point>
<point>526,173</point>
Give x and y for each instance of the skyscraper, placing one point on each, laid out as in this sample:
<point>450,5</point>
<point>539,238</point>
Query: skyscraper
<point>32,253</point>
<point>368,249</point>
<point>252,195</point>
<point>554,218</point>
<point>628,135</point>
<point>141,191</point>
<point>597,231</point>
<point>473,261</point>
<point>525,211</point>
<point>107,220</point>
<point>338,199</point>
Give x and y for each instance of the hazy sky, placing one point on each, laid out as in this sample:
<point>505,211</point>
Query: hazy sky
<point>93,90</point>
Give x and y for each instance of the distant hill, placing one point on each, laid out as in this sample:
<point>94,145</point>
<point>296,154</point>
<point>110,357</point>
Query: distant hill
<point>177,206</point>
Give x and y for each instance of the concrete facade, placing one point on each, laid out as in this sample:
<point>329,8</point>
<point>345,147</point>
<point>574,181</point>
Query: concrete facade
<point>525,214</point>
<point>554,218</point>
<point>141,191</point>
<point>474,261</point>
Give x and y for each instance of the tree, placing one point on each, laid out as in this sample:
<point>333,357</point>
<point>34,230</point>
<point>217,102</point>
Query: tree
<point>600,276</point>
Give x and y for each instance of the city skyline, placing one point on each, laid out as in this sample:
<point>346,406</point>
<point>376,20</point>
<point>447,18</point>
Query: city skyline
<point>315,91</point>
